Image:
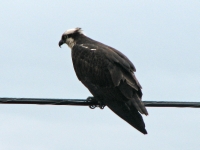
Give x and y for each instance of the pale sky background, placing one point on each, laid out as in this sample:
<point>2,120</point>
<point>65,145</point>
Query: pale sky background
<point>161,38</point>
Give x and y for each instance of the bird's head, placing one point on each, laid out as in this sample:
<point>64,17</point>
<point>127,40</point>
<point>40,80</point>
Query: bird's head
<point>69,36</point>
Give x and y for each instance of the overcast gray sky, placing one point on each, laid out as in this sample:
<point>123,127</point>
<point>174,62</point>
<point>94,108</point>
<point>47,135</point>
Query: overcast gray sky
<point>161,38</point>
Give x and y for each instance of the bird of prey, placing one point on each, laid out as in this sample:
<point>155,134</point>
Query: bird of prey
<point>109,76</point>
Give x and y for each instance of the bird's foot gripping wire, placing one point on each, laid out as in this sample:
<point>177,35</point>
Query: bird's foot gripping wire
<point>98,103</point>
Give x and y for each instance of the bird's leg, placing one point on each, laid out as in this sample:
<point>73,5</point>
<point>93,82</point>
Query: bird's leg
<point>98,103</point>
<point>92,99</point>
<point>101,105</point>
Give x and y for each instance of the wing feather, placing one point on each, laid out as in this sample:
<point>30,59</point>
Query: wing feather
<point>121,71</point>
<point>123,77</point>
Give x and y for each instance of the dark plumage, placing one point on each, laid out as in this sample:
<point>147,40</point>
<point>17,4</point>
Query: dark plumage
<point>109,76</point>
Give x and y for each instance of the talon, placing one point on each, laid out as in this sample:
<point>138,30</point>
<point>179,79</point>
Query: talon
<point>91,99</point>
<point>102,106</point>
<point>99,103</point>
<point>92,106</point>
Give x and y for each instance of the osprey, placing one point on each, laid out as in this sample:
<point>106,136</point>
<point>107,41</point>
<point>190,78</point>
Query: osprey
<point>109,76</point>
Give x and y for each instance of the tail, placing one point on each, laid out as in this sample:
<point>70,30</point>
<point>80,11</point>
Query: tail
<point>136,102</point>
<point>128,113</point>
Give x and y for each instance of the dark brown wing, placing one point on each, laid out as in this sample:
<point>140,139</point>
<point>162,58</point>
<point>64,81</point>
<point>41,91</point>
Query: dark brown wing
<point>119,67</point>
<point>109,76</point>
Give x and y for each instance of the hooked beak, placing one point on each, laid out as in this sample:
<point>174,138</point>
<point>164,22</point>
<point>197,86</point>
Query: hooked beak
<point>61,43</point>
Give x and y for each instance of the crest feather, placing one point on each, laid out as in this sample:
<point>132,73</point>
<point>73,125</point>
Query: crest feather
<point>72,31</point>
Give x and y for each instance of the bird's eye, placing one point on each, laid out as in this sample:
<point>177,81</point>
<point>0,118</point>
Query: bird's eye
<point>64,37</point>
